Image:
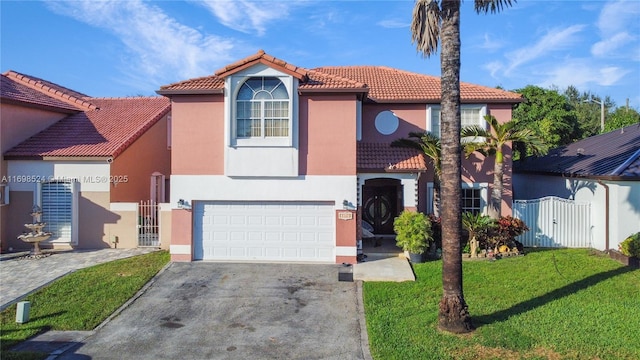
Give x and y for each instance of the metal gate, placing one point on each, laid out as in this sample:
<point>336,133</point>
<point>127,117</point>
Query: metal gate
<point>554,222</point>
<point>148,224</point>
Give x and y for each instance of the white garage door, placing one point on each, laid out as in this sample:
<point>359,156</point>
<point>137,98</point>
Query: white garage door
<point>268,231</point>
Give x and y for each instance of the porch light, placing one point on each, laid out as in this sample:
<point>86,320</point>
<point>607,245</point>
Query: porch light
<point>183,204</point>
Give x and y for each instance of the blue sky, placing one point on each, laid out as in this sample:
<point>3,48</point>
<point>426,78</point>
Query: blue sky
<point>128,48</point>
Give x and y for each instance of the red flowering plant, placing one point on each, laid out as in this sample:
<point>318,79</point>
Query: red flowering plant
<point>506,231</point>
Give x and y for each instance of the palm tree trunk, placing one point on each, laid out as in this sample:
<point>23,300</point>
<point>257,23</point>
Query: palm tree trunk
<point>436,197</point>
<point>495,206</point>
<point>453,313</point>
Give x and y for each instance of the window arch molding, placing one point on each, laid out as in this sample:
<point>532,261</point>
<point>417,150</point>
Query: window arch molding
<point>262,108</point>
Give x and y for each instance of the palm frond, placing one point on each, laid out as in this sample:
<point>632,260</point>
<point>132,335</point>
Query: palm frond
<point>425,26</point>
<point>484,6</point>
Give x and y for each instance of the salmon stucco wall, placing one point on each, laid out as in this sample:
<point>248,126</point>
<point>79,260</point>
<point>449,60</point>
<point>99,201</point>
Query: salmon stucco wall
<point>94,217</point>
<point>327,136</point>
<point>18,123</point>
<point>133,168</point>
<point>197,135</point>
<point>411,117</point>
<point>346,233</point>
<point>17,214</point>
<point>181,247</point>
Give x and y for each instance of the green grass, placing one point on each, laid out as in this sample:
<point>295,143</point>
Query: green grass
<point>549,304</point>
<point>81,300</point>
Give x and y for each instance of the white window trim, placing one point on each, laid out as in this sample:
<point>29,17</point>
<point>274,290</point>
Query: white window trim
<point>233,84</point>
<point>481,121</point>
<point>484,193</point>
<point>75,191</point>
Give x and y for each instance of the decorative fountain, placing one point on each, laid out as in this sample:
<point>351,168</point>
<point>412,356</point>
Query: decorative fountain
<point>36,235</point>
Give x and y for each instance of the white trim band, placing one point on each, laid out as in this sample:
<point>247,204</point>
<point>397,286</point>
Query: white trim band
<point>180,249</point>
<point>346,251</point>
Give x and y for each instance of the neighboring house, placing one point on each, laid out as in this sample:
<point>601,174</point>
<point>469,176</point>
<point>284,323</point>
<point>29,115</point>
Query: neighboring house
<point>85,161</point>
<point>275,162</point>
<point>603,170</point>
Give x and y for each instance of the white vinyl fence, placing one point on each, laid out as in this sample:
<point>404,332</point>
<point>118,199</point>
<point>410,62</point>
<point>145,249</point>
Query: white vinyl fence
<point>554,222</point>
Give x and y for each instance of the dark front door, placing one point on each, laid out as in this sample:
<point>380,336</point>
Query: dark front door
<point>380,207</point>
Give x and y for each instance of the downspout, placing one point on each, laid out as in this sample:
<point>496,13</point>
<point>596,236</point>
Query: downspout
<point>606,214</point>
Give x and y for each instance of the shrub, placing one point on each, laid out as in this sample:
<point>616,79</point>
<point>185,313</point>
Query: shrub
<point>631,245</point>
<point>506,231</point>
<point>413,230</point>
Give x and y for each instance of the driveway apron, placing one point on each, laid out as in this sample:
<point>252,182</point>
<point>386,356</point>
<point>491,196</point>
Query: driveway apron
<point>206,310</point>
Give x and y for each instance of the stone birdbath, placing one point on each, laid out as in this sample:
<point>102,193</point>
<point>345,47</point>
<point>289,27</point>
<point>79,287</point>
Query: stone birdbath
<point>35,235</point>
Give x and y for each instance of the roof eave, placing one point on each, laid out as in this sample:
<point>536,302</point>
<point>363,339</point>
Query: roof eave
<point>579,176</point>
<point>33,105</point>
<point>170,93</point>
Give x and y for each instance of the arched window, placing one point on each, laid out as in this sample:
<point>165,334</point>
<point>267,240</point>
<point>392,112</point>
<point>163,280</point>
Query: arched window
<point>262,109</point>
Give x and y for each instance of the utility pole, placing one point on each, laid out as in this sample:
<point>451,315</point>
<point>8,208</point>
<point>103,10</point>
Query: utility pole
<point>601,111</point>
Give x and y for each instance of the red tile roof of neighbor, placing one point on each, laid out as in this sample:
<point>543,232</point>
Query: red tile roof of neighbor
<point>59,96</point>
<point>381,157</point>
<point>383,84</point>
<point>105,131</point>
<point>613,155</point>
<point>14,92</point>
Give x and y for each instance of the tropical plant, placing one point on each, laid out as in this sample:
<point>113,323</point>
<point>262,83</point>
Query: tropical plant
<point>413,232</point>
<point>493,142</point>
<point>433,21</point>
<point>631,245</point>
<point>506,231</point>
<point>429,145</point>
<point>479,226</point>
<point>550,115</point>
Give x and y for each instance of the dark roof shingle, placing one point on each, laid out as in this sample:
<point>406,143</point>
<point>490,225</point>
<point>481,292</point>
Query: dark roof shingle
<point>613,155</point>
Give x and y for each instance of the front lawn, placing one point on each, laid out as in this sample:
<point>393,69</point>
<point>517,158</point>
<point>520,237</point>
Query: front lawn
<point>549,304</point>
<point>83,299</point>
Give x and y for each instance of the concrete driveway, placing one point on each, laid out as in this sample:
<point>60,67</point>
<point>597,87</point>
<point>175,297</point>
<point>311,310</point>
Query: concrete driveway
<point>205,310</point>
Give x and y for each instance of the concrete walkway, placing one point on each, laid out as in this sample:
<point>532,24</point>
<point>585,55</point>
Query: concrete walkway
<point>384,268</point>
<point>20,277</point>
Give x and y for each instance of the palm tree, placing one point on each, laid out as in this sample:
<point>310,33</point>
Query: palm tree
<point>429,145</point>
<point>435,20</point>
<point>493,142</point>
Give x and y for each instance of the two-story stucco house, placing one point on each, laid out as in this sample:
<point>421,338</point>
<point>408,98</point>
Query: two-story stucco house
<point>274,162</point>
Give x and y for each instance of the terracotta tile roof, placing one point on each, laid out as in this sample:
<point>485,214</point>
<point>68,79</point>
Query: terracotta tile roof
<point>381,157</point>
<point>101,132</point>
<point>262,57</point>
<point>393,85</point>
<point>383,84</point>
<point>309,80</point>
<point>61,93</point>
<point>613,155</point>
<point>12,91</point>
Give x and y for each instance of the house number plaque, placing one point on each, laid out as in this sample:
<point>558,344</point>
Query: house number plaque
<point>345,215</point>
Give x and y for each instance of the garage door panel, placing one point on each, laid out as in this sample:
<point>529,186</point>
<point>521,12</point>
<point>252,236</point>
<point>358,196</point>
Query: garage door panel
<point>286,231</point>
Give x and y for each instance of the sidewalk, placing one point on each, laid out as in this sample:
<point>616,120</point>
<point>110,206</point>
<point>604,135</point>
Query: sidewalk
<point>20,277</point>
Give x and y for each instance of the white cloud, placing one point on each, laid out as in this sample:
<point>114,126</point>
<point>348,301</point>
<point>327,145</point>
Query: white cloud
<point>159,48</point>
<point>617,16</point>
<point>582,74</point>
<point>247,16</point>
<point>493,68</point>
<point>610,45</point>
<point>393,24</point>
<point>490,44</point>
<point>555,39</point>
